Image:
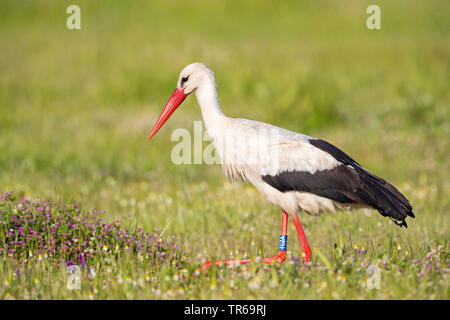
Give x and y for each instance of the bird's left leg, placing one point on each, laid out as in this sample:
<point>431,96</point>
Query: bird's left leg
<point>279,257</point>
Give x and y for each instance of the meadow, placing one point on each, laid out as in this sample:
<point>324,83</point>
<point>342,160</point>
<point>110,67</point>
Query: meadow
<point>76,107</point>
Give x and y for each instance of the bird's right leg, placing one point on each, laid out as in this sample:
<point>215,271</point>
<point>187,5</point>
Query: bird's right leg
<point>306,250</point>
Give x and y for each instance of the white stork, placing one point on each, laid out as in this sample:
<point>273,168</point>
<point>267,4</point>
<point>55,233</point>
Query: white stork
<point>293,171</point>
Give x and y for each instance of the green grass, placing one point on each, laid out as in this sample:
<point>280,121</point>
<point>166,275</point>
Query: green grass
<point>76,108</point>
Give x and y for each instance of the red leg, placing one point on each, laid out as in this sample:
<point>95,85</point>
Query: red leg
<point>306,251</point>
<point>279,257</point>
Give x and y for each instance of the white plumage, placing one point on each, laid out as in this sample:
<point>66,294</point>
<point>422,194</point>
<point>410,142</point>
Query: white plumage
<point>250,149</point>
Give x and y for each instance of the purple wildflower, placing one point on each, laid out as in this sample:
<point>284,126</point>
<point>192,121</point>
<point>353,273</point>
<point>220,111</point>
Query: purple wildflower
<point>65,233</point>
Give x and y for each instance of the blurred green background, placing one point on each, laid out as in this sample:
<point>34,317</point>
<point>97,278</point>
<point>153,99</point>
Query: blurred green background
<point>76,107</point>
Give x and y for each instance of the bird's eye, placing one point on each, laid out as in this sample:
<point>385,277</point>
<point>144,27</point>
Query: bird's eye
<point>183,80</point>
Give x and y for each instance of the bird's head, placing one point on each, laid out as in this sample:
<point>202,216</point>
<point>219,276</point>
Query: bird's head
<point>191,78</point>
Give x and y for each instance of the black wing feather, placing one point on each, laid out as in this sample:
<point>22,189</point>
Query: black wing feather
<point>346,183</point>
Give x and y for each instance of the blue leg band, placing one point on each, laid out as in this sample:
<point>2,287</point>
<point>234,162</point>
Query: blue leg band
<point>283,242</point>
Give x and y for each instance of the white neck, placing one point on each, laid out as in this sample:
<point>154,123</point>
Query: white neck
<point>213,117</point>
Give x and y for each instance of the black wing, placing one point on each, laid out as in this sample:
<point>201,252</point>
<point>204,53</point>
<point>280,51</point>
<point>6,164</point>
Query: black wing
<point>346,183</point>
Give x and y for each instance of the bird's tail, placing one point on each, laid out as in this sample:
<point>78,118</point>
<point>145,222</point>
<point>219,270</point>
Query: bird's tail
<point>385,198</point>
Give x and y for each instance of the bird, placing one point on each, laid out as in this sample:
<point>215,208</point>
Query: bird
<point>293,171</point>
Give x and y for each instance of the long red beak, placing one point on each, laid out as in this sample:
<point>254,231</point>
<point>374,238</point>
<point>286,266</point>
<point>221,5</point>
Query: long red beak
<point>175,100</point>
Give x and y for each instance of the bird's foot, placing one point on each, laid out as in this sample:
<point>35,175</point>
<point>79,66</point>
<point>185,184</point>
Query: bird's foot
<point>279,257</point>
<point>306,255</point>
